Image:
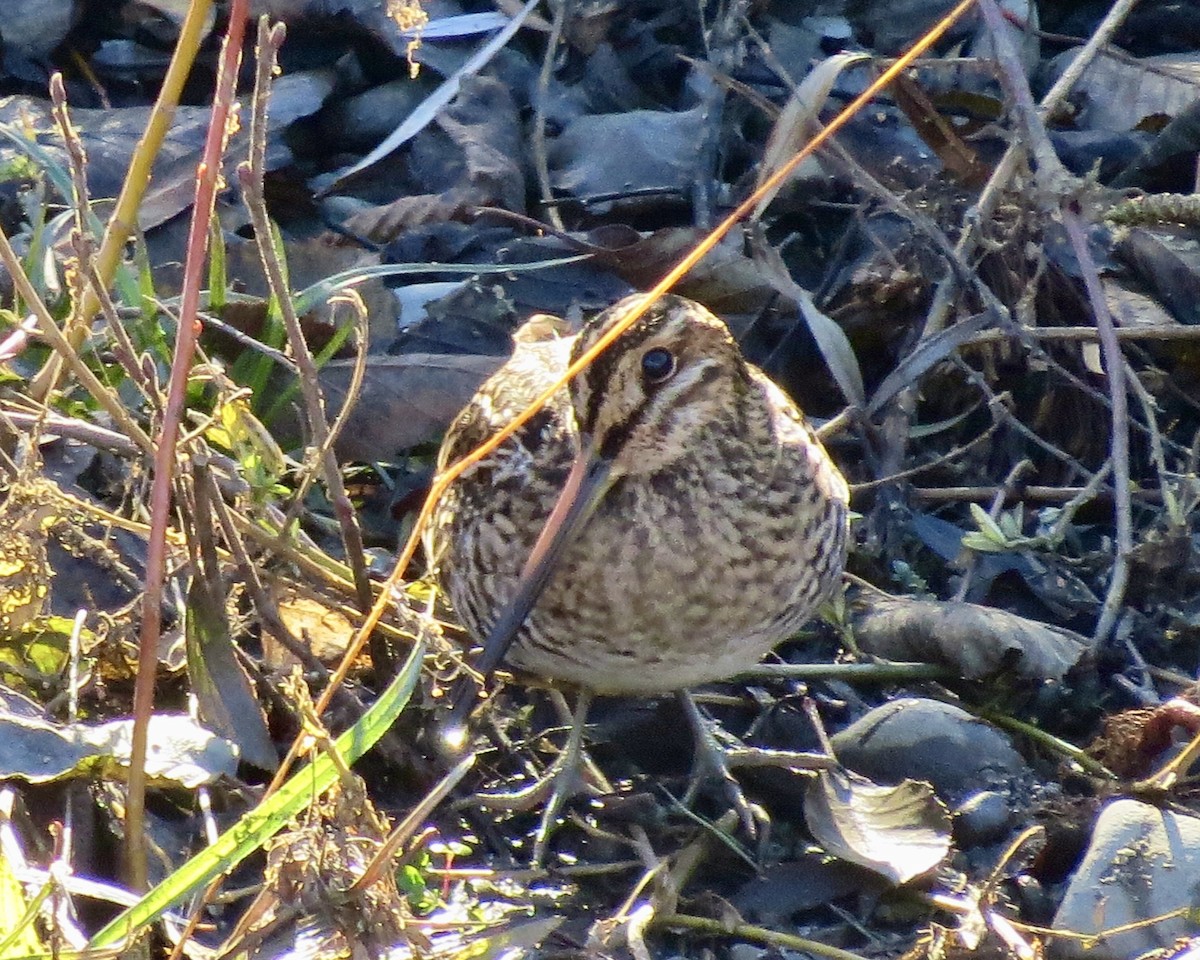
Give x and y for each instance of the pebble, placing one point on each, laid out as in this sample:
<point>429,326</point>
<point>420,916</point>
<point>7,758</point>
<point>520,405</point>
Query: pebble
<point>982,818</point>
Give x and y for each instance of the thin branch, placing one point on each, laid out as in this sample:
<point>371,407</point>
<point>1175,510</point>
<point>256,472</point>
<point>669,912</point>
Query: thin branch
<point>62,347</point>
<point>124,216</point>
<point>1114,366</point>
<point>752,933</point>
<point>251,175</point>
<point>165,459</point>
<point>541,163</point>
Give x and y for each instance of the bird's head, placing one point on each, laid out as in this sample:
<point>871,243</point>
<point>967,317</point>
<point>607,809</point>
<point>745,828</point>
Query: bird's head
<point>641,403</point>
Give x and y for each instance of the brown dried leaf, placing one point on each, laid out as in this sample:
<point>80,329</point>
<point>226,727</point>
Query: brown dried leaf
<point>900,832</point>
<point>960,159</point>
<point>726,281</point>
<point>797,123</point>
<point>327,632</point>
<point>405,401</point>
<point>975,641</point>
<point>384,223</point>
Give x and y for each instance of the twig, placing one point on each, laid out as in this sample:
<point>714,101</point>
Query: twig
<point>881,672</point>
<point>348,402</point>
<point>1114,365</point>
<point>264,606</point>
<point>1157,453</point>
<point>382,859</point>
<point>1048,168</point>
<point>81,213</point>
<point>1026,495</point>
<point>250,175</point>
<point>124,216</point>
<point>754,934</point>
<point>89,433</point>
<point>243,339</point>
<point>1049,741</point>
<point>943,460</point>
<point>62,347</point>
<point>985,207</point>
<point>80,201</point>
<point>186,333</point>
<point>359,370</point>
<point>1073,334</point>
<point>1095,45</point>
<point>1028,433</point>
<point>1028,338</point>
<point>541,162</point>
<point>123,348</point>
<point>723,51</point>
<point>1067,515</point>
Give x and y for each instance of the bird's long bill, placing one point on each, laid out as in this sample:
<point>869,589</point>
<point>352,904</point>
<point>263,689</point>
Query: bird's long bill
<point>586,484</point>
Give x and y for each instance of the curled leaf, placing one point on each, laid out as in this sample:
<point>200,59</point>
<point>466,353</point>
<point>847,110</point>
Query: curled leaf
<point>899,832</point>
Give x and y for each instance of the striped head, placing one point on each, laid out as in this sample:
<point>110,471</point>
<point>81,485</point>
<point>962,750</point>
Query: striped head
<point>674,372</point>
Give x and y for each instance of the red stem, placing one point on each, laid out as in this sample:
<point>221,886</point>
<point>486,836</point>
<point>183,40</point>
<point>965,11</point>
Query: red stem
<point>164,452</point>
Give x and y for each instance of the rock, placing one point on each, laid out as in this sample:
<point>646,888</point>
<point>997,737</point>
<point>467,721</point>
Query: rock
<point>34,28</point>
<point>982,818</point>
<point>1142,862</point>
<point>783,891</point>
<point>362,121</point>
<point>956,753</point>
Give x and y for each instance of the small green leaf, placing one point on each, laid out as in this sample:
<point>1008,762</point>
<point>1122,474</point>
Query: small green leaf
<point>982,543</point>
<point>987,526</point>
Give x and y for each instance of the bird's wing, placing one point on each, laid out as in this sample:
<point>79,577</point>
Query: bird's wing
<point>503,396</point>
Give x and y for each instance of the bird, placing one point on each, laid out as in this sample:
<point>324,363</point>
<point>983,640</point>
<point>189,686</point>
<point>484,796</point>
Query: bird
<point>663,521</point>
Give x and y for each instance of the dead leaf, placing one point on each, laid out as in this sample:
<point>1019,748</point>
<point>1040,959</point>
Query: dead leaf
<point>726,280</point>
<point>900,832</point>
<point>973,640</point>
<point>798,121</point>
<point>326,631</point>
<point>405,401</point>
<point>961,160</point>
<point>227,701</point>
<point>924,356</point>
<point>835,347</point>
<point>658,152</point>
<point>1121,93</point>
<point>181,751</point>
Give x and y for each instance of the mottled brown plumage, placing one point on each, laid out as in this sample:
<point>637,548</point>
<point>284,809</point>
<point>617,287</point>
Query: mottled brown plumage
<point>717,523</point>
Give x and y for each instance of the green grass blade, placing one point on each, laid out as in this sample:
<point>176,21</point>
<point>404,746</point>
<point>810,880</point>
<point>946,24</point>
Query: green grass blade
<point>269,817</point>
<point>218,278</point>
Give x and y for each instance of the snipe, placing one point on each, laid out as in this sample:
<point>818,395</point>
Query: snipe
<point>662,523</point>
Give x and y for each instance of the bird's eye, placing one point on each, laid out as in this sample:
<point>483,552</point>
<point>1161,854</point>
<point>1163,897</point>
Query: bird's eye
<point>658,365</point>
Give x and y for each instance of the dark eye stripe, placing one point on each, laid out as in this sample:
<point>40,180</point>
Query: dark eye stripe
<point>602,370</point>
<point>612,441</point>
